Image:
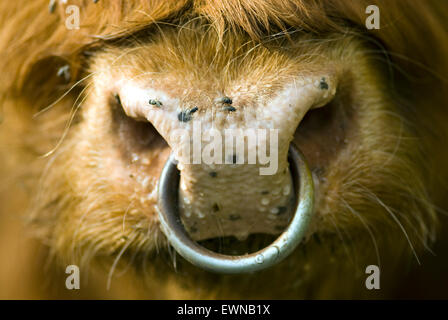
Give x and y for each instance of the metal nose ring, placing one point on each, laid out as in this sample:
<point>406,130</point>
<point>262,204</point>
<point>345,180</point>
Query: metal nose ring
<point>201,257</point>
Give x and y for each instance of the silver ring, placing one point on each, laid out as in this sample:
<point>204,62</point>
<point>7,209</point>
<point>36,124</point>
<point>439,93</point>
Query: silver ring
<point>201,257</point>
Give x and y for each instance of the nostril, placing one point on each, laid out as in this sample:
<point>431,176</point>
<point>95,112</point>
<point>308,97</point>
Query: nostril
<point>316,120</point>
<point>323,131</point>
<point>134,134</point>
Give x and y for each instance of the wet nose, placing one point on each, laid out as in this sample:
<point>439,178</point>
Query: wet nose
<point>198,255</point>
<point>233,155</point>
<point>237,183</point>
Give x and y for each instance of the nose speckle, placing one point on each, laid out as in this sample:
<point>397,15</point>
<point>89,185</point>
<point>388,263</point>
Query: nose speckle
<point>234,217</point>
<point>230,108</point>
<point>186,115</point>
<point>193,110</point>
<point>274,210</point>
<point>286,190</point>
<point>156,103</point>
<point>225,100</point>
<point>323,84</point>
<point>281,210</point>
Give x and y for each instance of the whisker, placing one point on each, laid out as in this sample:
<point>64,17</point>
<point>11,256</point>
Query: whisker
<point>126,211</point>
<point>67,128</point>
<point>62,97</point>
<point>372,236</point>
<point>114,265</point>
<point>394,217</point>
<point>344,244</point>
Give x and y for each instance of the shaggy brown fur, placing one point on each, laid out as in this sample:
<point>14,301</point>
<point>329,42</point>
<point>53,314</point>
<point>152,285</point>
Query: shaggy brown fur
<point>65,147</point>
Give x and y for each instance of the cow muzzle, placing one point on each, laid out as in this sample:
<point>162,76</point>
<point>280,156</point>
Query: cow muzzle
<point>174,229</point>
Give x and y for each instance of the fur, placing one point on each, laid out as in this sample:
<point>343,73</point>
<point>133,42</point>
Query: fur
<point>380,200</point>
